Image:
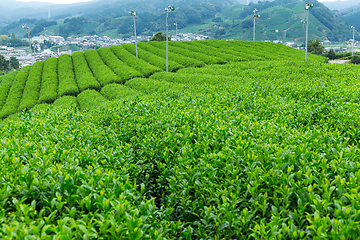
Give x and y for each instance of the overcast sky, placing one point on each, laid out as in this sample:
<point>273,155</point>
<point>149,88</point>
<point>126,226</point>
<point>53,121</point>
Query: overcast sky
<point>75,1</point>
<point>56,1</point>
<point>331,0</point>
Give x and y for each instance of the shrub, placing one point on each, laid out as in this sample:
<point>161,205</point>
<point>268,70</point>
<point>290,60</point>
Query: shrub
<point>83,75</point>
<point>50,82</point>
<point>331,54</point>
<point>122,70</point>
<point>32,88</point>
<point>117,91</point>
<point>355,59</point>
<point>67,83</point>
<point>102,72</point>
<point>15,94</point>
<point>90,99</point>
<point>148,85</point>
<point>5,86</point>
<point>145,68</point>
<point>153,59</point>
<point>66,102</point>
<point>161,52</point>
<point>187,53</point>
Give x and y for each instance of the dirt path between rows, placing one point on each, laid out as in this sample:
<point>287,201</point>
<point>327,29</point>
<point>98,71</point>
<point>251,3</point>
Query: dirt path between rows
<point>339,61</point>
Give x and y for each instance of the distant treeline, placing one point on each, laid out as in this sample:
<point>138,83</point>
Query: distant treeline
<point>39,26</point>
<point>147,23</point>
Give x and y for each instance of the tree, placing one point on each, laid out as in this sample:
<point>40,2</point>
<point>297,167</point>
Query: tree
<point>14,62</point>
<point>331,54</point>
<point>159,37</point>
<point>315,47</point>
<point>355,59</point>
<point>3,63</point>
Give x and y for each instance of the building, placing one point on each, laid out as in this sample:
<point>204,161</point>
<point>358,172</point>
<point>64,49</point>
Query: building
<point>56,39</point>
<point>39,39</point>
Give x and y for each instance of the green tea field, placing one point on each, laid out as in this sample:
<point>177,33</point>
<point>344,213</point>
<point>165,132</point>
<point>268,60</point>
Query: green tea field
<point>241,140</point>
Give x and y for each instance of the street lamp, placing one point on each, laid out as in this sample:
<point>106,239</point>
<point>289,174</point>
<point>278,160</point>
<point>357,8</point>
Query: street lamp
<point>255,16</point>
<point>26,27</point>
<point>176,24</point>
<point>353,43</point>
<point>277,31</point>
<point>134,15</point>
<point>307,7</point>
<point>167,10</point>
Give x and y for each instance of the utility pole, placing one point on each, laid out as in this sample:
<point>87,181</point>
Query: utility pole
<point>167,10</point>
<point>353,43</point>
<point>134,15</point>
<point>176,25</point>
<point>26,27</point>
<point>307,7</point>
<point>255,16</point>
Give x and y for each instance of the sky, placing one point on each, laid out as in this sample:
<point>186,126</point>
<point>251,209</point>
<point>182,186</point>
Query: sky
<point>56,1</point>
<point>332,0</point>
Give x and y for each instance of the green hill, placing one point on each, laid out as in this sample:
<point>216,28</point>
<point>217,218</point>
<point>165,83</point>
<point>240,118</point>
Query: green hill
<point>288,17</point>
<point>255,144</point>
<point>218,19</point>
<point>47,81</point>
<point>351,17</point>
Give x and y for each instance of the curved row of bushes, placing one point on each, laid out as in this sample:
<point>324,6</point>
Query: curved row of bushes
<point>50,82</point>
<point>32,88</point>
<point>83,75</point>
<point>118,91</point>
<point>5,86</point>
<point>153,59</point>
<point>180,59</point>
<point>102,72</point>
<point>122,70</point>
<point>15,94</point>
<point>67,83</point>
<point>145,68</point>
<point>174,48</point>
<point>90,99</point>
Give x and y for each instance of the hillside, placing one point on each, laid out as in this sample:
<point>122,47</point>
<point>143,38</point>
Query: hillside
<point>236,22</point>
<point>351,16</point>
<point>47,81</point>
<point>218,19</point>
<point>255,144</point>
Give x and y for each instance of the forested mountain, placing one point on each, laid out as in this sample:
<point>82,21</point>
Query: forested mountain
<point>351,16</point>
<point>220,19</point>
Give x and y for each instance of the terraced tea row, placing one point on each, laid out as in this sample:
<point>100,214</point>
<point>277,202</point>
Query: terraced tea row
<point>70,75</point>
<point>245,150</point>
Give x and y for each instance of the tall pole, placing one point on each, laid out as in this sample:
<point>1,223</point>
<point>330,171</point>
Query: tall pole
<point>176,24</point>
<point>353,43</point>
<point>167,41</point>
<point>307,7</point>
<point>167,10</point>
<point>255,16</point>
<point>254,26</point>
<point>136,49</point>
<point>33,59</point>
<point>307,31</point>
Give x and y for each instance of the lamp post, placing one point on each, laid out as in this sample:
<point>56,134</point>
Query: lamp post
<point>167,10</point>
<point>255,16</point>
<point>176,24</point>
<point>353,43</point>
<point>26,27</point>
<point>134,15</point>
<point>277,31</point>
<point>307,7</point>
